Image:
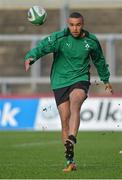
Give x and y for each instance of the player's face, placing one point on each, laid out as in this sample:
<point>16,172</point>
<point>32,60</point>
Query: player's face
<point>75,26</point>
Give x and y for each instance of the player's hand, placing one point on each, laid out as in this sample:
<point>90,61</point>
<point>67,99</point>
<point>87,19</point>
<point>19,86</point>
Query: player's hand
<point>108,88</point>
<point>28,63</point>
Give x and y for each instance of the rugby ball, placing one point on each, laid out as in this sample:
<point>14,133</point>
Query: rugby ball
<point>37,15</point>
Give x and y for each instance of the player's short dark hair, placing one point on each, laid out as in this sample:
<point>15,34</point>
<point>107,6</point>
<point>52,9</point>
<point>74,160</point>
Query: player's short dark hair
<point>76,15</point>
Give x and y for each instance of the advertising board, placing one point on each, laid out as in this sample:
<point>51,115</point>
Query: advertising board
<point>97,113</point>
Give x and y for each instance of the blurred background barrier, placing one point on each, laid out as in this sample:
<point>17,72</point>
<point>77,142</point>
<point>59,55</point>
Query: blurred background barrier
<point>34,113</point>
<point>17,36</point>
<point>36,76</point>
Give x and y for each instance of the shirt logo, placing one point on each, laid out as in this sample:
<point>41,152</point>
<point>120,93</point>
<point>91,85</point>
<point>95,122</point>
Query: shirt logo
<point>86,45</point>
<point>49,39</point>
<point>68,44</point>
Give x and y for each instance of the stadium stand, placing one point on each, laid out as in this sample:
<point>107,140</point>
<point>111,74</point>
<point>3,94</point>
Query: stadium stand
<point>56,4</point>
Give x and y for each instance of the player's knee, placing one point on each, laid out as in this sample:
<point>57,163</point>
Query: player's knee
<point>75,106</point>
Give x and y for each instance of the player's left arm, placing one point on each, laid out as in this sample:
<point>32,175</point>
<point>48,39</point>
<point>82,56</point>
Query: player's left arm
<point>102,67</point>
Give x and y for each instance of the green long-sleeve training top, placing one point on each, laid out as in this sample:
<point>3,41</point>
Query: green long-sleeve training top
<point>71,57</point>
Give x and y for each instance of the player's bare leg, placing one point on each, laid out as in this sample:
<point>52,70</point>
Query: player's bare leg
<point>77,97</point>
<point>70,119</point>
<point>64,112</point>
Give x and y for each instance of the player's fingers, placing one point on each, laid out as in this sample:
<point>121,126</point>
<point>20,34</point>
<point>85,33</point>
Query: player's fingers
<point>109,90</point>
<point>27,65</point>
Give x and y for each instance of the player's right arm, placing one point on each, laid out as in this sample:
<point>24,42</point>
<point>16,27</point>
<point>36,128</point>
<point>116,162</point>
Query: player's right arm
<point>45,46</point>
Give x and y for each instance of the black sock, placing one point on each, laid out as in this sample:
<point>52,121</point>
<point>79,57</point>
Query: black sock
<point>69,153</point>
<point>72,138</point>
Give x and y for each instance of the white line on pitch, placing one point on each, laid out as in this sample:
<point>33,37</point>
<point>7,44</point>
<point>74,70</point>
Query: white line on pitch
<point>36,144</point>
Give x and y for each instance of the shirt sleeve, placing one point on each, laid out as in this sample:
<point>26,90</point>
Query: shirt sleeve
<point>99,61</point>
<point>45,46</point>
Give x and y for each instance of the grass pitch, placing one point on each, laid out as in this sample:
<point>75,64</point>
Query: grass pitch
<point>40,155</point>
